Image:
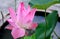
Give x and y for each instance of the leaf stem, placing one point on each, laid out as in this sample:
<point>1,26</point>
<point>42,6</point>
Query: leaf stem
<point>46,24</point>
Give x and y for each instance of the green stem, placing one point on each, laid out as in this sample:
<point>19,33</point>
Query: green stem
<point>56,35</point>
<point>46,24</point>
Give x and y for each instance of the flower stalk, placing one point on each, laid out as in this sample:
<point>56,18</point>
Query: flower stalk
<point>46,24</point>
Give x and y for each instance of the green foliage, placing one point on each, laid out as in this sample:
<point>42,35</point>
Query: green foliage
<point>51,23</point>
<point>40,30</point>
<point>42,4</point>
<point>30,37</point>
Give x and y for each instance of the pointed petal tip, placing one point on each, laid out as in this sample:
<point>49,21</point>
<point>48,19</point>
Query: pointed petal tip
<point>28,6</point>
<point>10,8</point>
<point>35,9</point>
<point>21,3</point>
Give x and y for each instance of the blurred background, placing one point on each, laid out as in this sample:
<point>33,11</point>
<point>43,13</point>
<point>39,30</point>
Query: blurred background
<point>5,4</point>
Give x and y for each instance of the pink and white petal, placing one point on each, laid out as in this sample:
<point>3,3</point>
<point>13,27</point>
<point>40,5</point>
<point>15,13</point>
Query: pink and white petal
<point>26,11</point>
<point>14,24</point>
<point>19,11</point>
<point>33,26</point>
<point>9,27</point>
<point>18,32</point>
<point>11,22</point>
<point>12,14</point>
<point>30,16</point>
<point>23,10</point>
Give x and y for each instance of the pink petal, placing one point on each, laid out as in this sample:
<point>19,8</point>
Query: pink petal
<point>26,11</point>
<point>30,16</point>
<point>22,12</point>
<point>18,32</point>
<point>14,24</point>
<point>9,27</point>
<point>12,14</point>
<point>33,26</point>
<point>19,11</point>
<point>11,22</point>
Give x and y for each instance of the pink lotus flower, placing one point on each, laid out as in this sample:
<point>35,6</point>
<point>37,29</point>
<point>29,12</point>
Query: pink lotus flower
<point>21,20</point>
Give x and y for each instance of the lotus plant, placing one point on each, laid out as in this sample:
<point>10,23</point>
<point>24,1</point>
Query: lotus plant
<point>21,20</point>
